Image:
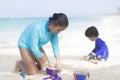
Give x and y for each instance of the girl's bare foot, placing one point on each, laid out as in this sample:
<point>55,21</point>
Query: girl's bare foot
<point>17,67</point>
<point>20,66</point>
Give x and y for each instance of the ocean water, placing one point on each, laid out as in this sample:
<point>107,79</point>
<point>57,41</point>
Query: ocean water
<point>10,28</point>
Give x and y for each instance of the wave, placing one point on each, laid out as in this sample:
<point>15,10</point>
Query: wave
<point>8,45</point>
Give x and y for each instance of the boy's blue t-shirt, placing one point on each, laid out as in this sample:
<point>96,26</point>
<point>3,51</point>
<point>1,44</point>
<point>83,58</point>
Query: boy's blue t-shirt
<point>101,48</point>
<point>36,35</point>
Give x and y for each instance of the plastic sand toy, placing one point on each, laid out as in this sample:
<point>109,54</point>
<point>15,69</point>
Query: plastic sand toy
<point>80,76</point>
<point>53,75</point>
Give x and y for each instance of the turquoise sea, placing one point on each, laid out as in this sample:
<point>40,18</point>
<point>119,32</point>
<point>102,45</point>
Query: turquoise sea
<point>10,28</point>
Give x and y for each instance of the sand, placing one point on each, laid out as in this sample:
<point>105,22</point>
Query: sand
<point>73,46</point>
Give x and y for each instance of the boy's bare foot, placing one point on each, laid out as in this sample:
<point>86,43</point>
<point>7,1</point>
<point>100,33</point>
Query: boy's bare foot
<point>93,61</point>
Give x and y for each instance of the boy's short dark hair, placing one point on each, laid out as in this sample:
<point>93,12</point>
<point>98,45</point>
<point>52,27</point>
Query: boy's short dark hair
<point>91,32</point>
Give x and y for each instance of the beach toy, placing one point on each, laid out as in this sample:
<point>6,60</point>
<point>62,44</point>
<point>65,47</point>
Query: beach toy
<point>53,75</point>
<point>22,75</point>
<point>80,76</point>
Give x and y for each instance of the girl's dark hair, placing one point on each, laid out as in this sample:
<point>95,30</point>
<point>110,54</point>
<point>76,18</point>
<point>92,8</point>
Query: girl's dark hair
<point>59,19</point>
<point>91,32</point>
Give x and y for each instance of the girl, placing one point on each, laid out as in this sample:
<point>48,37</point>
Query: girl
<point>34,37</point>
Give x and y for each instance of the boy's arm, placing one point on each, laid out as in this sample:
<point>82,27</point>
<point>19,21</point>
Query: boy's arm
<point>99,48</point>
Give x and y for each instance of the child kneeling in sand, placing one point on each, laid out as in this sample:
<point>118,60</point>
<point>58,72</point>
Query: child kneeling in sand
<point>100,52</point>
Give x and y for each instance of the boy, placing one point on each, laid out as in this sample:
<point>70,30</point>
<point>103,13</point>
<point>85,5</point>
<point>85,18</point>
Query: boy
<point>100,52</point>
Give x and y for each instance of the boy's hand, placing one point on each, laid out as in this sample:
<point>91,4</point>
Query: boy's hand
<point>86,57</point>
<point>93,53</point>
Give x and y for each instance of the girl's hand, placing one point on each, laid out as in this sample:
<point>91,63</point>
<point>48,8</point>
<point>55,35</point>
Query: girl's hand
<point>58,63</point>
<point>49,65</point>
<point>58,67</point>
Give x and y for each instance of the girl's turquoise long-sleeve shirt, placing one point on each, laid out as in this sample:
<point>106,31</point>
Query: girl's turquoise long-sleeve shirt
<point>36,35</point>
